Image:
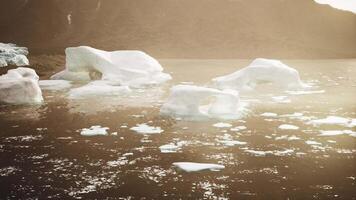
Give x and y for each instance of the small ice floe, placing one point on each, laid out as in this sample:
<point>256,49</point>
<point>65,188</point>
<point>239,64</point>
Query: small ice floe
<point>54,84</point>
<point>259,153</point>
<point>337,132</point>
<point>128,68</point>
<point>146,129</point>
<point>98,89</point>
<point>260,71</point>
<point>94,131</point>
<point>306,92</point>
<point>238,128</point>
<point>10,54</point>
<point>333,120</point>
<point>313,143</point>
<point>222,125</point>
<point>288,127</point>
<point>194,167</point>
<point>269,114</point>
<point>20,86</point>
<point>286,137</point>
<point>231,143</point>
<point>170,148</point>
<point>187,101</point>
<point>281,99</point>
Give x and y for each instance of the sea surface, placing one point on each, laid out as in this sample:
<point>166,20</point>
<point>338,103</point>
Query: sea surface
<point>43,154</point>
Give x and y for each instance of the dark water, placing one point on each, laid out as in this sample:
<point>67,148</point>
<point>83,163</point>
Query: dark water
<point>43,155</point>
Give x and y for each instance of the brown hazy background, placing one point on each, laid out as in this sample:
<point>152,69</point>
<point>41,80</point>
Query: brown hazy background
<point>183,28</point>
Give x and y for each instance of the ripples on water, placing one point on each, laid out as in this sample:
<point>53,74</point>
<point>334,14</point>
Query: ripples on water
<point>274,152</point>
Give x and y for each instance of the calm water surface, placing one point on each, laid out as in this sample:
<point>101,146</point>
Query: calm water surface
<point>43,155</point>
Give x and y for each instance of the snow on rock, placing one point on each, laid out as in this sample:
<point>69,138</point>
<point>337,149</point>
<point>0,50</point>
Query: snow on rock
<point>259,71</point>
<point>20,86</point>
<point>131,68</point>
<point>54,84</point>
<point>10,54</point>
<point>98,89</point>
<point>146,129</point>
<point>194,167</point>
<point>288,127</point>
<point>187,101</point>
<point>94,131</point>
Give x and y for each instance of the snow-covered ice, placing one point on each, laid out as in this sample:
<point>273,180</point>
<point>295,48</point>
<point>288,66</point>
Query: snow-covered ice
<point>288,127</point>
<point>146,129</point>
<point>20,86</point>
<point>54,84</point>
<point>131,68</point>
<point>98,89</point>
<point>259,71</point>
<point>10,54</point>
<point>187,101</point>
<point>94,131</point>
<point>194,167</point>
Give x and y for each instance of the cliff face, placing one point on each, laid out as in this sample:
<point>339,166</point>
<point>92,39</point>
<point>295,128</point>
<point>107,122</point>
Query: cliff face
<point>183,28</point>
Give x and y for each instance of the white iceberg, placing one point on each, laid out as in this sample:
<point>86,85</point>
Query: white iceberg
<point>130,68</point>
<point>98,89</point>
<point>20,86</point>
<point>10,54</point>
<point>259,71</point>
<point>146,129</point>
<point>54,84</point>
<point>194,167</point>
<point>189,101</point>
<point>94,131</point>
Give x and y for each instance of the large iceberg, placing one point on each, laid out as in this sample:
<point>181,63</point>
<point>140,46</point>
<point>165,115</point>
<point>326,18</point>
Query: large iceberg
<point>130,68</point>
<point>190,101</point>
<point>10,54</point>
<point>20,86</point>
<point>259,71</point>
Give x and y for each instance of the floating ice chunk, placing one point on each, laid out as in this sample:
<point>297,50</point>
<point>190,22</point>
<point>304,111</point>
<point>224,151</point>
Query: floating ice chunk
<point>54,84</point>
<point>299,92</point>
<point>261,70</point>
<point>238,128</point>
<point>131,68</point>
<point>20,86</point>
<point>336,132</point>
<point>286,152</point>
<point>98,89</point>
<point>332,120</point>
<point>13,55</point>
<point>265,153</point>
<point>258,153</point>
<point>222,125</point>
<point>188,101</point>
<point>146,129</point>
<point>313,143</point>
<point>288,127</point>
<point>281,99</point>
<point>232,142</point>
<point>170,148</point>
<point>269,114</point>
<point>94,131</point>
<point>194,167</point>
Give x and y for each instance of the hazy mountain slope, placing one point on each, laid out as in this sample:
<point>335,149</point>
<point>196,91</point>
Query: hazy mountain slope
<point>183,28</point>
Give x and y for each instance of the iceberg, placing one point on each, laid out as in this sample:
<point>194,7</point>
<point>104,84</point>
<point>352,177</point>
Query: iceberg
<point>128,68</point>
<point>98,88</point>
<point>10,54</point>
<point>54,84</point>
<point>260,71</point>
<point>20,86</point>
<point>187,101</point>
<point>194,167</point>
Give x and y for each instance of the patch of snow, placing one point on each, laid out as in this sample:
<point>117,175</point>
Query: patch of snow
<point>10,54</point>
<point>94,131</point>
<point>261,70</point>
<point>54,84</point>
<point>288,127</point>
<point>185,101</point>
<point>194,167</point>
<point>146,129</point>
<point>20,86</point>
